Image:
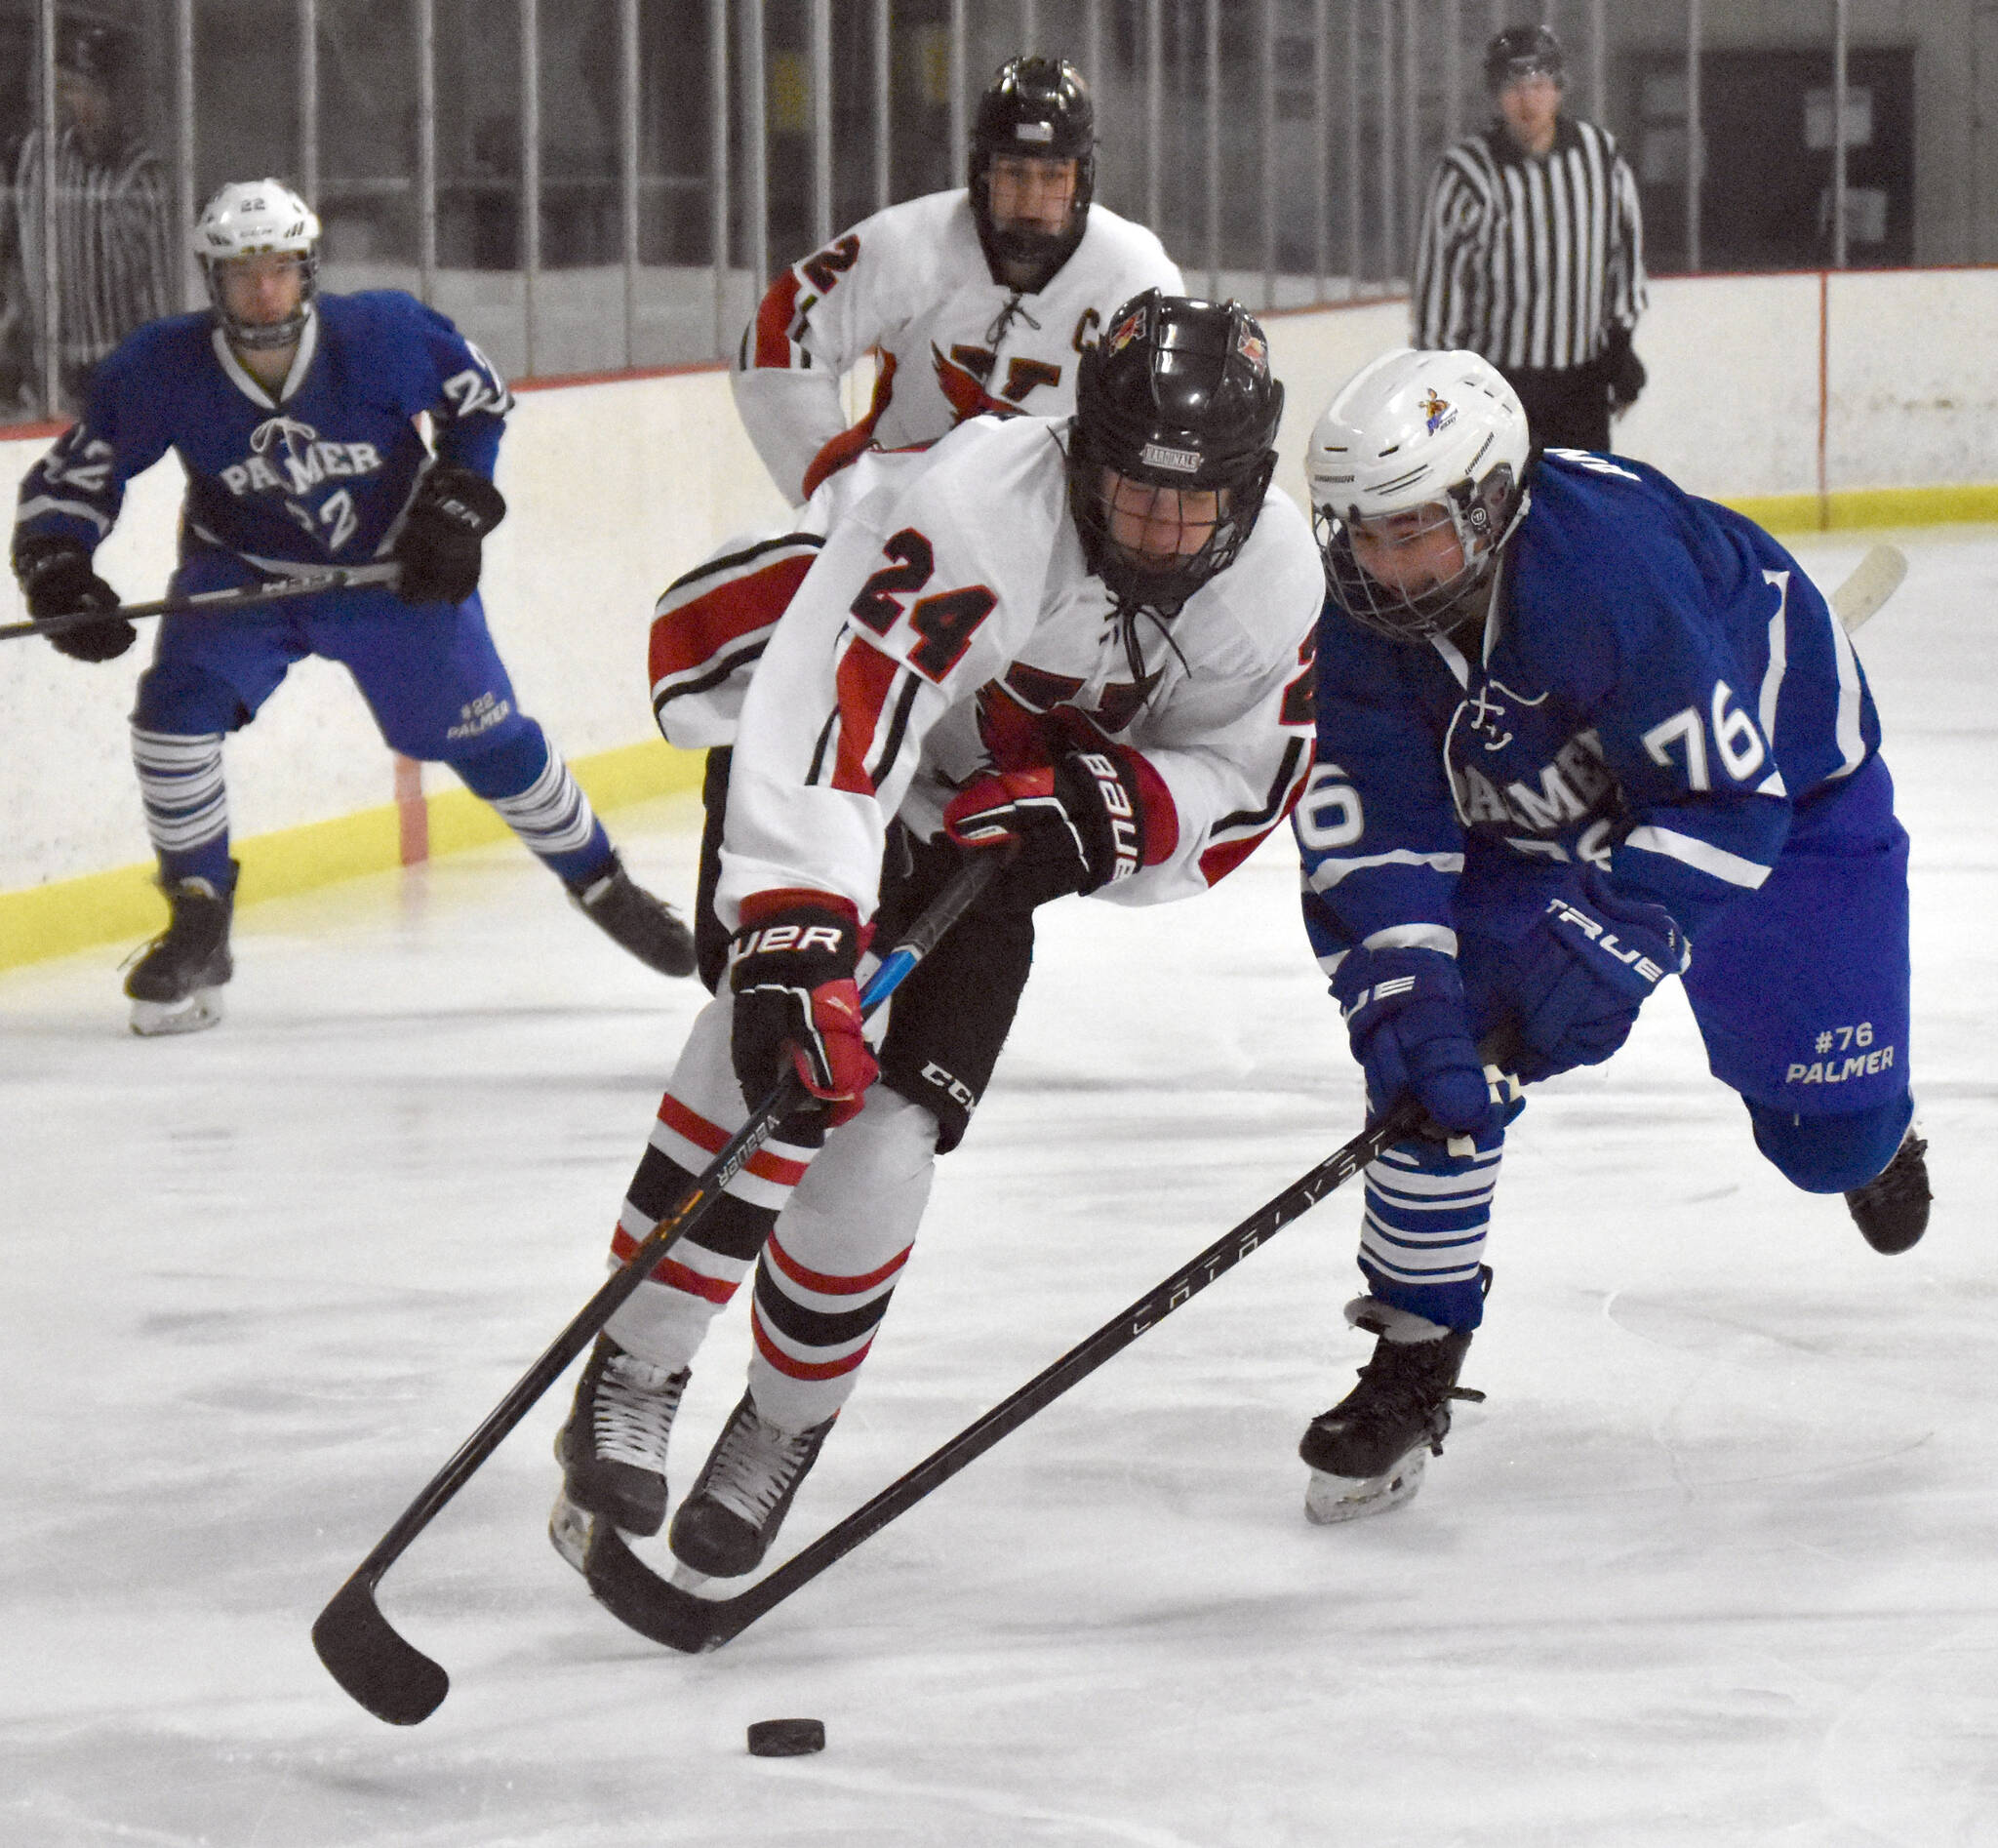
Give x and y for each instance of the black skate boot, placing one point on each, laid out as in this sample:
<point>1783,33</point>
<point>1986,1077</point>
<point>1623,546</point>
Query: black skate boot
<point>1892,1210</point>
<point>630,916</point>
<point>612,1450</point>
<point>726,1525</point>
<point>1367,1454</point>
<point>175,985</point>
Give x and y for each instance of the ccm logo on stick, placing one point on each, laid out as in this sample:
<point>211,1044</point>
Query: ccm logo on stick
<point>791,937</point>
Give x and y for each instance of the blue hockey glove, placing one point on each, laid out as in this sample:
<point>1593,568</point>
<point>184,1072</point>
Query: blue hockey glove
<point>1410,1029</point>
<point>1578,975</point>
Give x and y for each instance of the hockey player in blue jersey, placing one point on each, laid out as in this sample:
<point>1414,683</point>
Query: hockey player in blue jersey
<point>295,415</point>
<point>1577,732</point>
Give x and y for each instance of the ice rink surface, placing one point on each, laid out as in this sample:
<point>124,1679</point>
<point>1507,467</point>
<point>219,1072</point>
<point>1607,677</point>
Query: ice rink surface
<point>1715,1563</point>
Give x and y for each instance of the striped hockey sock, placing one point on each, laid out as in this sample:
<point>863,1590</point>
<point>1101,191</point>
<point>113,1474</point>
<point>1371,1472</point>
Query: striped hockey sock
<point>1422,1237</point>
<point>529,785</point>
<point>187,804</point>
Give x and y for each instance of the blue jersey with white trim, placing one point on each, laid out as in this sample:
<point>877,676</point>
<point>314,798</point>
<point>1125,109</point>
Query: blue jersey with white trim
<point>1658,685</point>
<point>318,474</point>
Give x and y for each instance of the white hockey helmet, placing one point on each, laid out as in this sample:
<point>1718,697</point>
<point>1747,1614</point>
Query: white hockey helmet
<point>1410,431</point>
<point>251,217</point>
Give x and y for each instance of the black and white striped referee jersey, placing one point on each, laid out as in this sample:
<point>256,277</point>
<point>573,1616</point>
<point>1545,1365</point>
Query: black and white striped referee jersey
<point>1536,262</point>
<point>115,266</point>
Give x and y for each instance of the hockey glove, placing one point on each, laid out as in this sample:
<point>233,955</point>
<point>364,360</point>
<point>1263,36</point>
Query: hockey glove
<point>438,546</point>
<point>56,579</point>
<point>797,1005</point>
<point>1592,958</point>
<point>1624,373</point>
<point>1079,823</point>
<point>1410,1029</point>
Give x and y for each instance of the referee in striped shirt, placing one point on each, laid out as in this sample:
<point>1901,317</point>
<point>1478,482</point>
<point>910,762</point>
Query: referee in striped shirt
<point>112,264</point>
<point>1533,252</point>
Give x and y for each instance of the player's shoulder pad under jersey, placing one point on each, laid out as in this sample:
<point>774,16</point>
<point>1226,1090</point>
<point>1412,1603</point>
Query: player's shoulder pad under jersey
<point>1123,240</point>
<point>387,315</point>
<point>152,356</point>
<point>1607,560</point>
<point>986,504</point>
<point>987,483</point>
<point>1274,590</point>
<point>906,246</point>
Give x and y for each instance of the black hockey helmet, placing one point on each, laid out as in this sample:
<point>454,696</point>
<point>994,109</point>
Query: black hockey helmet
<point>1524,51</point>
<point>1175,394</point>
<point>1039,107</point>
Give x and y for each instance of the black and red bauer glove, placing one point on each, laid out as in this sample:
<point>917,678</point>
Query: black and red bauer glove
<point>1080,822</point>
<point>797,1004</point>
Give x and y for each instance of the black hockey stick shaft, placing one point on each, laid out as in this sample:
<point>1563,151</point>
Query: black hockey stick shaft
<point>362,1651</point>
<point>212,602</point>
<point>682,1620</point>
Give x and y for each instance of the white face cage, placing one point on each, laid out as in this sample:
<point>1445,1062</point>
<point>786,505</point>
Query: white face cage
<point>1482,517</point>
<point>258,218</point>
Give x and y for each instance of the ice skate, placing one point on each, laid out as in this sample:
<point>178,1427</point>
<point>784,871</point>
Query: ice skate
<point>1367,1453</point>
<point>569,1530</point>
<point>613,1450</point>
<point>175,986</point>
<point>1892,1210</point>
<point>632,917</point>
<point>726,1525</point>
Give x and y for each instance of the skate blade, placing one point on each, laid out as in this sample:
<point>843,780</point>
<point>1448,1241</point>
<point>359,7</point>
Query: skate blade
<point>569,1531</point>
<point>154,1020</point>
<point>1330,1500</point>
<point>699,1585</point>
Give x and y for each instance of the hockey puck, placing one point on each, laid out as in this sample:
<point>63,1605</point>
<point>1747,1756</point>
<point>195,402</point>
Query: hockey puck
<point>786,1738</point>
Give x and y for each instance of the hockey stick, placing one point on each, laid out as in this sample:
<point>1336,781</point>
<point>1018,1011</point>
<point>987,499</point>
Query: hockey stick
<point>390,1677</point>
<point>240,597</point>
<point>1870,583</point>
<point>670,1613</point>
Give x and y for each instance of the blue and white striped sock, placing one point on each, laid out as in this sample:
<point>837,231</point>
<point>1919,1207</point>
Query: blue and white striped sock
<point>1422,1237</point>
<point>187,804</point>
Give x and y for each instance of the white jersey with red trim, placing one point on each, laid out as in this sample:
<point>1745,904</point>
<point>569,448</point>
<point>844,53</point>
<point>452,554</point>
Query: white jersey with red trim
<point>913,281</point>
<point>950,624</point>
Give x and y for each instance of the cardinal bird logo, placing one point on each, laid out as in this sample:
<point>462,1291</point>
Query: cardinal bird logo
<point>1125,332</point>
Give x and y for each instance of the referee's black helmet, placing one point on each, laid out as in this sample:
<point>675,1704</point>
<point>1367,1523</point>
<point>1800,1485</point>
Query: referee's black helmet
<point>1523,51</point>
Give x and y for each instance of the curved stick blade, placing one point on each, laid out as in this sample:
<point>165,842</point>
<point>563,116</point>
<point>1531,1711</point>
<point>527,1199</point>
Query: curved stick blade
<point>655,1607</point>
<point>392,1678</point>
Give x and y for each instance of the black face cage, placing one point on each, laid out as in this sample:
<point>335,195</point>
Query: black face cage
<point>1485,518</point>
<point>1041,251</point>
<point>253,335</point>
<point>1160,588</point>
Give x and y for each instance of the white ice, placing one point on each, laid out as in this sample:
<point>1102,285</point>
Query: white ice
<point>1715,1563</point>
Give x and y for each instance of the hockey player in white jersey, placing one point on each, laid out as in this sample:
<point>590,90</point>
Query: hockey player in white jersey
<point>1094,639</point>
<point>981,300</point>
